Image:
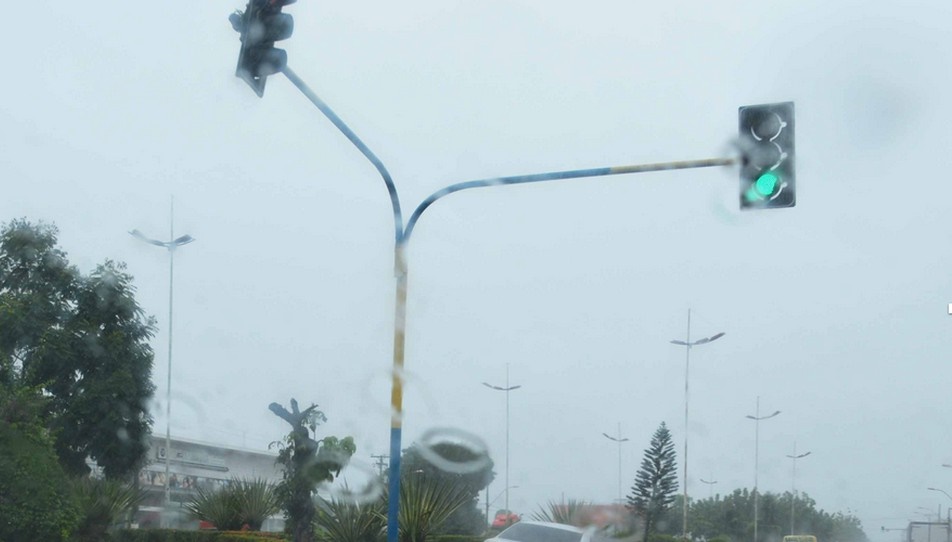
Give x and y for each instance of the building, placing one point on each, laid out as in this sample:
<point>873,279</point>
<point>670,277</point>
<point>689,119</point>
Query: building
<point>193,465</point>
<point>929,531</point>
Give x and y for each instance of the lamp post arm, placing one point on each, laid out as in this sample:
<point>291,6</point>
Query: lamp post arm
<point>556,176</point>
<point>349,134</point>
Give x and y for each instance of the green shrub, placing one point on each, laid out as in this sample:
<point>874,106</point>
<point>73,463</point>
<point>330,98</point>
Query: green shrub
<point>344,521</point>
<point>171,535</point>
<point>36,502</point>
<point>658,537</point>
<point>242,502</point>
<point>103,504</point>
<point>458,538</point>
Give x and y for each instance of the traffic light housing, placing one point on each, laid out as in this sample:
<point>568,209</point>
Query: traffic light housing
<point>767,174</point>
<point>261,24</point>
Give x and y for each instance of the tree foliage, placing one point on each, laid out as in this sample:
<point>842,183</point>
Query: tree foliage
<point>656,482</point>
<point>467,519</point>
<point>731,516</point>
<point>307,463</point>
<point>82,340</point>
<point>35,498</point>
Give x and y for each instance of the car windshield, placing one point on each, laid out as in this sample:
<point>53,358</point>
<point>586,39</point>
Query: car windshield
<point>670,270</point>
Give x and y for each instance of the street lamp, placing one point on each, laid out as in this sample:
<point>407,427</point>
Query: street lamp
<point>710,484</point>
<point>757,417</point>
<point>402,233</point>
<point>507,388</point>
<point>170,245</point>
<point>687,344</point>
<point>940,491</point>
<point>619,440</point>
<point>793,491</point>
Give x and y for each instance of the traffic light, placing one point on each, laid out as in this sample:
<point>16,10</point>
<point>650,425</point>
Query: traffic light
<point>261,24</point>
<point>767,176</point>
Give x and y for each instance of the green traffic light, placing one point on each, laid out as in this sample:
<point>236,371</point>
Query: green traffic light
<point>763,187</point>
<point>767,183</point>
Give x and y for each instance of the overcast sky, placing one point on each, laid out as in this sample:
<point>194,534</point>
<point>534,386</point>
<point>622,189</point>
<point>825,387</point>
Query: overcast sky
<point>835,310</point>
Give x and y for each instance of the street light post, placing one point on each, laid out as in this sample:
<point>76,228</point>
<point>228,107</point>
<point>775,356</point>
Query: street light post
<point>710,484</point>
<point>757,418</point>
<point>948,513</point>
<point>687,344</point>
<point>940,491</point>
<point>402,237</point>
<point>793,491</point>
<point>170,245</point>
<point>619,440</point>
<point>507,388</point>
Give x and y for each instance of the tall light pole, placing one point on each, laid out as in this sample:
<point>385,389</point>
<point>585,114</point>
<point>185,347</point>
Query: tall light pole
<point>757,418</point>
<point>687,344</point>
<point>170,245</point>
<point>710,484</point>
<point>793,491</point>
<point>948,511</point>
<point>507,388</point>
<point>619,440</point>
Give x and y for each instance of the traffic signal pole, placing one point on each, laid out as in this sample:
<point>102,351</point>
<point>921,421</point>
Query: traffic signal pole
<point>401,268</point>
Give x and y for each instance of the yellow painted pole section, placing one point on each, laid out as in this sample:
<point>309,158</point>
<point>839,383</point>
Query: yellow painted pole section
<point>399,337</point>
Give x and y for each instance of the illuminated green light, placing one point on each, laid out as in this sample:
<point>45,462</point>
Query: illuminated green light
<point>764,187</point>
<point>766,184</point>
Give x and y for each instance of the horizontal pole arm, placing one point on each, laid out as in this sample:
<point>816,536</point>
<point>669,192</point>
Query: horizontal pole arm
<point>556,176</point>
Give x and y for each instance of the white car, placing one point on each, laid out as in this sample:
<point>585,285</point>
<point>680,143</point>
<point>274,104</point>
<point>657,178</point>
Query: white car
<point>538,531</point>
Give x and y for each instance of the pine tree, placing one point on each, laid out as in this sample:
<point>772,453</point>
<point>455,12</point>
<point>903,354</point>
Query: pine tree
<point>656,482</point>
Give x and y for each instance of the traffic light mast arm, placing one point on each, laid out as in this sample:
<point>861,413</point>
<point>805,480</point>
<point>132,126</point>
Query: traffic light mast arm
<point>559,175</point>
<point>403,234</point>
<point>364,149</point>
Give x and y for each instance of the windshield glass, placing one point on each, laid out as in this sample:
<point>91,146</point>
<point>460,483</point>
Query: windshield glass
<point>671,270</point>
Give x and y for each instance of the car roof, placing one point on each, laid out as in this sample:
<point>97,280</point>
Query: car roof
<point>553,525</point>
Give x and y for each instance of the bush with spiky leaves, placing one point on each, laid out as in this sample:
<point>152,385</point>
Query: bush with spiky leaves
<point>103,505</point>
<point>348,521</point>
<point>425,503</point>
<point>242,502</point>
<point>568,513</point>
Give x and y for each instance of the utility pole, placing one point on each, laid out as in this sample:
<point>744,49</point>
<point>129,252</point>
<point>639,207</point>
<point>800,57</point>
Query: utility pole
<point>380,463</point>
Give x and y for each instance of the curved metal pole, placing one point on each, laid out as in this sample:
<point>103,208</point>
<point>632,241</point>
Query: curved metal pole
<point>400,310</point>
<point>555,176</point>
<point>329,113</point>
<point>402,237</point>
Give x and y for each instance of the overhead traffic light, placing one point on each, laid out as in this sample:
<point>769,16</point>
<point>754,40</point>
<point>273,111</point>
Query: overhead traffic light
<point>261,24</point>
<point>767,176</point>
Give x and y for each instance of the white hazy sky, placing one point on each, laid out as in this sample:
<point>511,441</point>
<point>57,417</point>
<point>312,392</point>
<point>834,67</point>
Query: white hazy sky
<point>835,310</point>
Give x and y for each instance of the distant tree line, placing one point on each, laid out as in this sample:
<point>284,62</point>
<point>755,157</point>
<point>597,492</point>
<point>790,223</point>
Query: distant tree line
<point>657,510</point>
